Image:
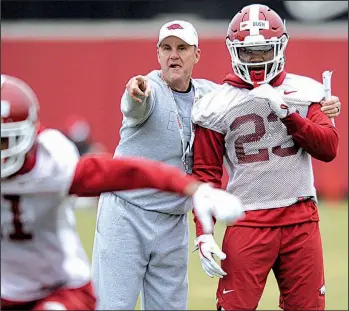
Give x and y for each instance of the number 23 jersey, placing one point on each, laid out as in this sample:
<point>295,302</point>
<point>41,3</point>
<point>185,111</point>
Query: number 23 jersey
<point>266,168</point>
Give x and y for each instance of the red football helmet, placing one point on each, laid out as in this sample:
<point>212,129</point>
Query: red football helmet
<point>19,121</point>
<point>257,27</point>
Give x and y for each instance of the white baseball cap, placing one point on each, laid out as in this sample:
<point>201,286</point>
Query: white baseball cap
<point>180,29</point>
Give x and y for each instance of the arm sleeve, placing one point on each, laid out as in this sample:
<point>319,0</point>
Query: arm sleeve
<point>208,161</point>
<point>135,113</point>
<point>97,174</point>
<point>315,133</point>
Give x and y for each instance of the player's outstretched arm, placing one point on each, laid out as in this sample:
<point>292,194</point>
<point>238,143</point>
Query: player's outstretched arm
<point>97,174</point>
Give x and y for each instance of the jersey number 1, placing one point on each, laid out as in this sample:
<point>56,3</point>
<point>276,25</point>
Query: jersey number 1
<point>18,233</point>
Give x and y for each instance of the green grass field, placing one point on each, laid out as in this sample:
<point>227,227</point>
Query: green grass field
<point>334,228</point>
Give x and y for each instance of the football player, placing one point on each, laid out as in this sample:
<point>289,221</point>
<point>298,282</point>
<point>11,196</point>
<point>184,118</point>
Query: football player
<point>266,125</point>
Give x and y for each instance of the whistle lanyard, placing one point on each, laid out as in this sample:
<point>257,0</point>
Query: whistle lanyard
<point>187,148</point>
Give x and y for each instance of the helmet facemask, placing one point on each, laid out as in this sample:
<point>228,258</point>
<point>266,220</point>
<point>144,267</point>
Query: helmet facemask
<point>271,67</point>
<point>20,139</point>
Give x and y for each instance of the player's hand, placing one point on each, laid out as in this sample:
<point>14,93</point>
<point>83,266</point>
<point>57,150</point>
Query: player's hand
<point>207,247</point>
<point>276,103</point>
<point>210,202</point>
<point>138,87</point>
<point>331,107</point>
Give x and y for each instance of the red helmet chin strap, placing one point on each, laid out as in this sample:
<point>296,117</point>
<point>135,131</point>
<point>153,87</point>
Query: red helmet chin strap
<point>256,76</point>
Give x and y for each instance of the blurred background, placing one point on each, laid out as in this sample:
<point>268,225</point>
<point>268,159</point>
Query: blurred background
<point>78,56</point>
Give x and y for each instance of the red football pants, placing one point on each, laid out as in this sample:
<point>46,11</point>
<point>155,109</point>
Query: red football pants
<point>293,252</point>
<point>82,298</point>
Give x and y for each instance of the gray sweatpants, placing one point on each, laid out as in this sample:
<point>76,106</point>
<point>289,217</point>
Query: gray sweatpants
<point>135,251</point>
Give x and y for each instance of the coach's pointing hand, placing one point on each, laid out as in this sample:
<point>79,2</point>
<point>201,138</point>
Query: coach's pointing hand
<point>138,87</point>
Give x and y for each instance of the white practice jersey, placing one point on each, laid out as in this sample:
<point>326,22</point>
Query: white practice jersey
<point>266,169</point>
<point>40,248</point>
